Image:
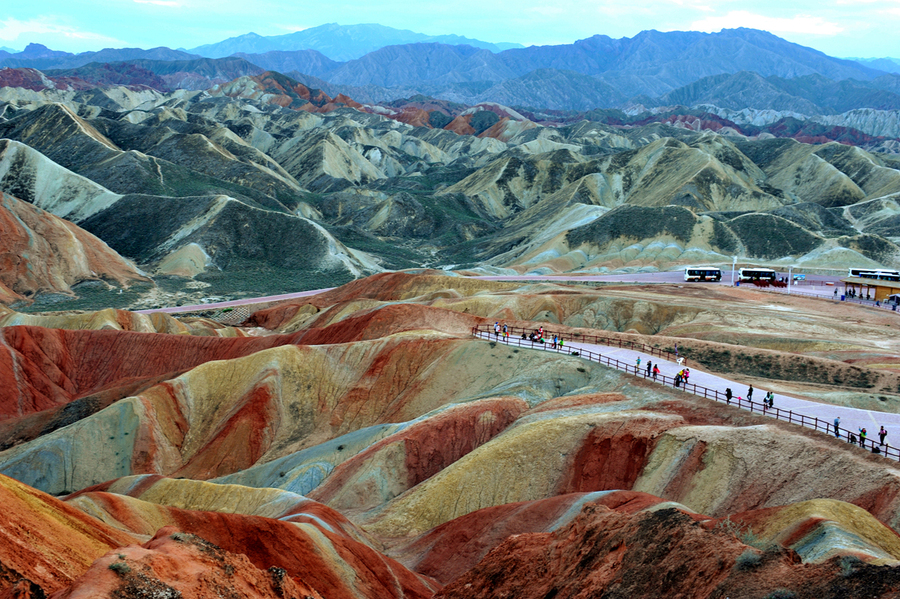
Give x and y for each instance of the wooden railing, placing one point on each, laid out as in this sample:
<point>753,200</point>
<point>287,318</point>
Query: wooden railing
<point>487,332</point>
<point>836,298</point>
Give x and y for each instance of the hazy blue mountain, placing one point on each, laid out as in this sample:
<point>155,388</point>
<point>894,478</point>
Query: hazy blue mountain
<point>554,90</point>
<point>366,94</point>
<point>891,65</point>
<point>164,75</point>
<point>890,82</point>
<point>810,94</point>
<point>737,91</point>
<point>37,56</point>
<point>402,64</point>
<point>677,58</point>
<point>8,50</point>
<point>338,42</point>
<point>651,63</point>
<point>309,62</point>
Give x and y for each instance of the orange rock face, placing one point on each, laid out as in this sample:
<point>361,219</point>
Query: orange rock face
<point>40,252</point>
<point>309,546</point>
<point>460,125</point>
<point>665,553</point>
<point>175,564</point>
<point>45,368</point>
<point>45,542</point>
<point>454,548</point>
<point>386,287</point>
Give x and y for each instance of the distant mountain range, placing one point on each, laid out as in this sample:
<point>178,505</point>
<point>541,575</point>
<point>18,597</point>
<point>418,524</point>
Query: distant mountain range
<point>734,69</point>
<point>891,65</point>
<point>163,75</point>
<point>37,56</point>
<point>338,42</point>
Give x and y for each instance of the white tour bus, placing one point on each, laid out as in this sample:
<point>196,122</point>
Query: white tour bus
<point>702,273</point>
<point>758,274</point>
<point>874,273</point>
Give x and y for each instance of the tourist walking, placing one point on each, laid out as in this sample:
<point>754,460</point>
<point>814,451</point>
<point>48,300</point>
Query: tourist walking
<point>862,437</point>
<point>881,435</point>
<point>770,397</point>
<point>637,365</point>
<point>655,371</point>
<point>750,393</point>
<point>497,329</point>
<point>506,331</point>
<point>837,427</point>
<point>728,395</point>
<point>649,367</point>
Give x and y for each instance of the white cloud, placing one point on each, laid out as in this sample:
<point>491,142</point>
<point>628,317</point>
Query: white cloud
<point>157,2</point>
<point>11,29</point>
<point>291,28</point>
<point>806,24</point>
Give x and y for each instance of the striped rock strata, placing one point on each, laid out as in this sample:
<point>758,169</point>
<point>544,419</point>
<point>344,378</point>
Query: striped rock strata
<point>42,253</point>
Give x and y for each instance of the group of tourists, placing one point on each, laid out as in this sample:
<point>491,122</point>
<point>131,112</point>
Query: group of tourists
<point>683,376</point>
<point>768,401</point>
<point>861,439</point>
<point>652,369</point>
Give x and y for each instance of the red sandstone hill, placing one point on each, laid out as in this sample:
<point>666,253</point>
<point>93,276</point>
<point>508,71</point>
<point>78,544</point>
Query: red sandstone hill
<point>667,553</point>
<point>36,81</point>
<point>45,542</point>
<point>281,90</point>
<point>42,253</point>
<point>48,368</point>
<point>309,543</point>
<point>175,564</point>
<point>383,287</point>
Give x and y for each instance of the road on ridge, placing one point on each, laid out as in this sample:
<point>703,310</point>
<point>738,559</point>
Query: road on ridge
<point>813,284</point>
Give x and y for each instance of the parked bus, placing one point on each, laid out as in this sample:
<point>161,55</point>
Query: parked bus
<point>702,273</point>
<point>874,273</point>
<point>758,274</point>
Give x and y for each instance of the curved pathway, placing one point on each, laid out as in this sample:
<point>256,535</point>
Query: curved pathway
<point>852,419</point>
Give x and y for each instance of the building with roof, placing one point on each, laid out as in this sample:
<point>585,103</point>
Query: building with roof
<point>874,289</point>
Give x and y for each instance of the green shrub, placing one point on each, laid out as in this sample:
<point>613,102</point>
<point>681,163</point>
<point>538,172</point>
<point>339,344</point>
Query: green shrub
<point>120,568</point>
<point>438,119</point>
<point>748,560</point>
<point>849,565</point>
<point>483,120</point>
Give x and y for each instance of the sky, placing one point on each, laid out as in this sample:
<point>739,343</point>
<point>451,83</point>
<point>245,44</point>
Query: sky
<point>843,28</point>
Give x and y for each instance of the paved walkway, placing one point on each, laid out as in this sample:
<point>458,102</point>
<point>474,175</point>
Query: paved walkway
<point>852,419</point>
